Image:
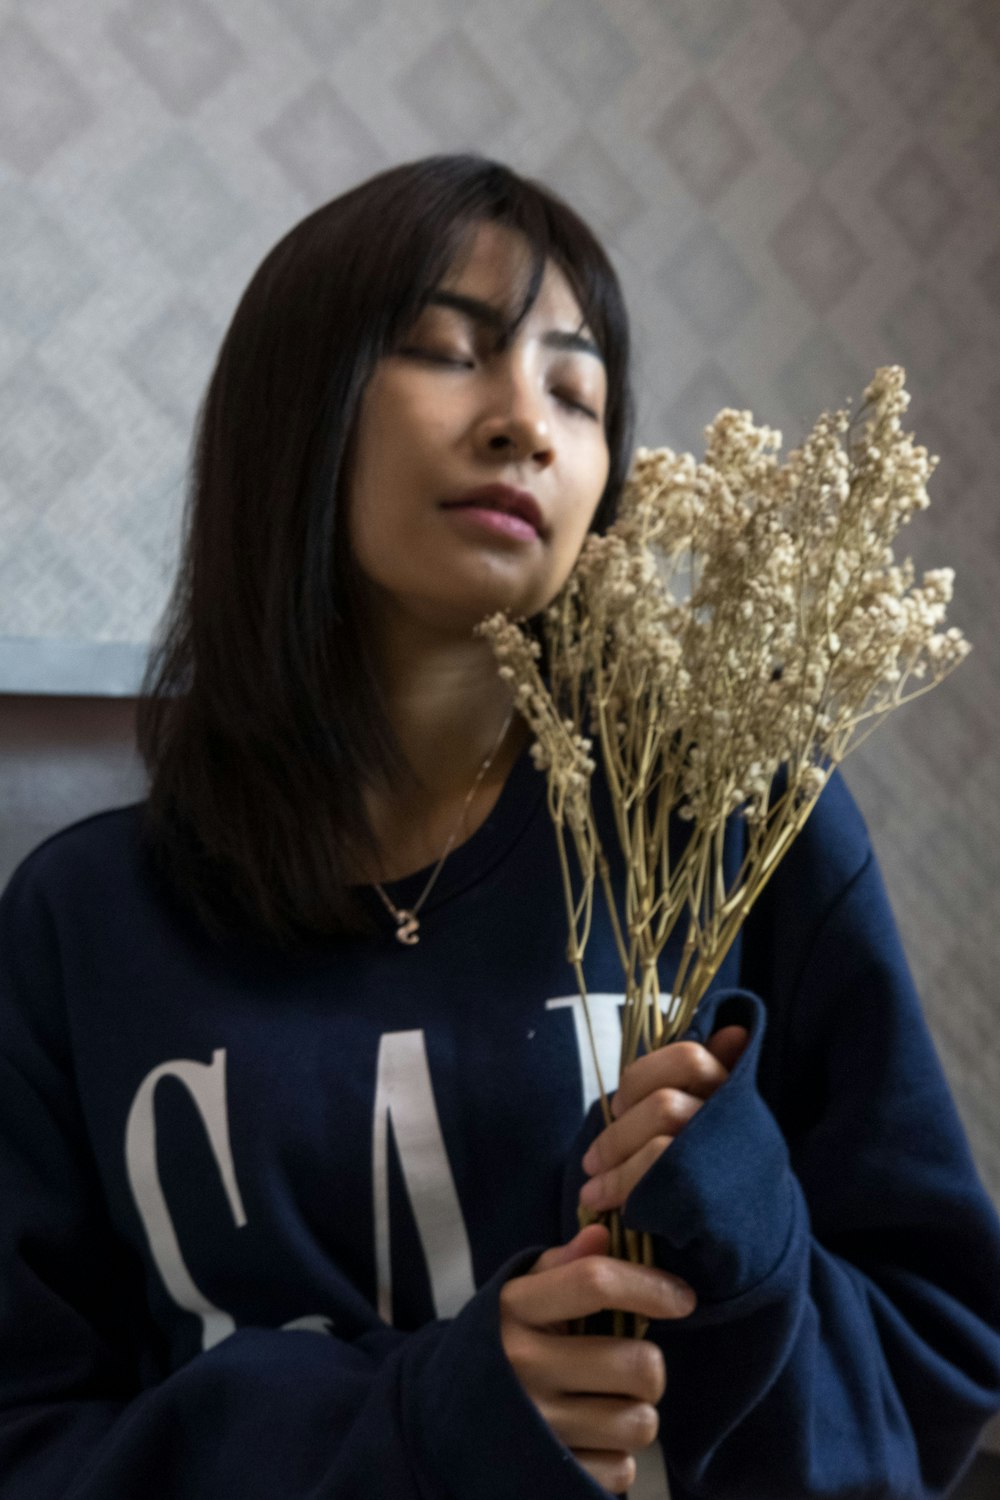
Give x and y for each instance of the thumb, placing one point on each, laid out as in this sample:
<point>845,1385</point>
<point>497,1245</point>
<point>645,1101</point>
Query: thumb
<point>728,1045</point>
<point>593,1239</point>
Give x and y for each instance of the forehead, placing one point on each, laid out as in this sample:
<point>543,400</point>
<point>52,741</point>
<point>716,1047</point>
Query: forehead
<point>495,265</point>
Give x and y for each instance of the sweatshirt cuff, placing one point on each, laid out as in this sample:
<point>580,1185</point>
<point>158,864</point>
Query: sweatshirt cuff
<point>721,1201</point>
<point>478,1430</point>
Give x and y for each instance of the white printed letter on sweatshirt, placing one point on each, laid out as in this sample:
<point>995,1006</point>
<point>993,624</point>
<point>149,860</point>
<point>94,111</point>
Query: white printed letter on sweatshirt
<point>404,1098</point>
<point>206,1083</point>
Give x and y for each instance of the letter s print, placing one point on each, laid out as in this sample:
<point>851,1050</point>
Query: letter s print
<point>206,1083</point>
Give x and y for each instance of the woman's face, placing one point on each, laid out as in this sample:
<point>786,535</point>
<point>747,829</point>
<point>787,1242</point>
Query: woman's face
<point>449,413</point>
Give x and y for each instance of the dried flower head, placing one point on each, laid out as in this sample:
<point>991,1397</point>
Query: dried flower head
<point>743,617</point>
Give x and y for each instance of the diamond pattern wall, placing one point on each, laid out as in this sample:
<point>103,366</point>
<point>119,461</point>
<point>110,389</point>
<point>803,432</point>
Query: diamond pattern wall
<point>809,115</point>
<point>707,280</point>
<point>817,251</point>
<point>454,92</point>
<point>180,47</point>
<point>325,28</point>
<point>42,103</point>
<point>180,205</point>
<point>703,142</point>
<point>592,181</point>
<point>917,195</point>
<point>793,190</point>
<point>914,60</point>
<point>705,31</point>
<point>44,276</point>
<point>317,139</point>
<point>580,41</point>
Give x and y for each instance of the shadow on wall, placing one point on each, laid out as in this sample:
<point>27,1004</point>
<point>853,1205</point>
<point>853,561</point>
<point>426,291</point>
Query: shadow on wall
<point>982,1482</point>
<point>61,758</point>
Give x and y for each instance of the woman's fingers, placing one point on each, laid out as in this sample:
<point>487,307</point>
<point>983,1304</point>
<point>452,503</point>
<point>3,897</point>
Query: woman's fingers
<point>728,1044</point>
<point>605,1422</point>
<point>557,1364</point>
<point>610,1189</point>
<point>687,1066</point>
<point>591,1284</point>
<point>682,1065</point>
<point>658,1095</point>
<point>598,1393</point>
<point>615,1471</point>
<point>593,1239</point>
<point>661,1113</point>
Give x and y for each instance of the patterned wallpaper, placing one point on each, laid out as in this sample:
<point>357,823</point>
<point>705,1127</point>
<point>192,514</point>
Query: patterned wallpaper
<point>794,191</point>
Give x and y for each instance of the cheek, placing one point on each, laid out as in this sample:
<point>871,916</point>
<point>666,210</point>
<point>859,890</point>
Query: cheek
<point>574,532</point>
<point>594,478</point>
<point>369,519</point>
<point>373,461</point>
<point>393,479</point>
<point>399,435</point>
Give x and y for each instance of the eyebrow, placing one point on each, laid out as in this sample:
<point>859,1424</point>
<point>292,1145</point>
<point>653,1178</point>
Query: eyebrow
<point>492,317</point>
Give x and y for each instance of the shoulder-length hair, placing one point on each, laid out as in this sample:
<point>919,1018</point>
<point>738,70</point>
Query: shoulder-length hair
<point>261,714</point>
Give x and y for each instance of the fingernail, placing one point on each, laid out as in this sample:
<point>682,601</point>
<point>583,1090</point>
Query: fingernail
<point>589,1162</point>
<point>686,1300</point>
<point>590,1193</point>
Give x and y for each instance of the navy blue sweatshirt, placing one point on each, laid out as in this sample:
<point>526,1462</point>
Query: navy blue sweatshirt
<point>257,1210</point>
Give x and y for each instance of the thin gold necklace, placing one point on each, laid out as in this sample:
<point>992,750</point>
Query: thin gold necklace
<point>407,923</point>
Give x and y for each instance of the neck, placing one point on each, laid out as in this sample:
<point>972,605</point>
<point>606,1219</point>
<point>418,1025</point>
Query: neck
<point>447,706</point>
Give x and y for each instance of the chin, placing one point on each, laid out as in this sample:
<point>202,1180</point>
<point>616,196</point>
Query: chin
<point>465,616</point>
<point>487,596</point>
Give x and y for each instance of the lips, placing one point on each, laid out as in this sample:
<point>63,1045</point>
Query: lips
<point>503,497</point>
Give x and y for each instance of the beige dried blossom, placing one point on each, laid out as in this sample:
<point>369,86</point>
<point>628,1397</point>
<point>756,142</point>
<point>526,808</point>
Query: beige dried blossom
<point>736,632</point>
<point>742,618</point>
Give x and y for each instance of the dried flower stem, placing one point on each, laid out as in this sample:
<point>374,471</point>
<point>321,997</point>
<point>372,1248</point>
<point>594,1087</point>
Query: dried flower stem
<point>740,619</point>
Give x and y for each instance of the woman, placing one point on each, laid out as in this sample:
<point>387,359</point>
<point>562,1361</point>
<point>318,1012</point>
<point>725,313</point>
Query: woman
<point>293,1067</point>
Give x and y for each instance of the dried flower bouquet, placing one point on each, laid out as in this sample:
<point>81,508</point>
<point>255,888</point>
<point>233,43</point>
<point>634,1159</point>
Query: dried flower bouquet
<point>742,617</point>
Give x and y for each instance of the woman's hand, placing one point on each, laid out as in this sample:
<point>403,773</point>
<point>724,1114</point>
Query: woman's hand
<point>598,1393</point>
<point>658,1094</point>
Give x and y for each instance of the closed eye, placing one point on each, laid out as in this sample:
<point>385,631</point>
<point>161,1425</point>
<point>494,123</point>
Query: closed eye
<point>458,362</point>
<point>574,404</point>
<point>435,358</point>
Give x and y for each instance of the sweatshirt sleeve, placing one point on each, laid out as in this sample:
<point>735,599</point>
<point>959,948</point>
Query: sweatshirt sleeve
<point>847,1259</point>
<point>437,1414</point>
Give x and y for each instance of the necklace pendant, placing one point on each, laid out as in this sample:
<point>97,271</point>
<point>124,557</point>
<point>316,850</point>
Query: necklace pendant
<point>407,926</point>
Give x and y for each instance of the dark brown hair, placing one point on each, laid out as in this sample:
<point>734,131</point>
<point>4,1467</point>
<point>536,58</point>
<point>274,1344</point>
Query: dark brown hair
<point>261,715</point>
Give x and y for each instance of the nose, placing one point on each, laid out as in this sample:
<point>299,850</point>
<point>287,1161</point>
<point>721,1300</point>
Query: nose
<point>517,427</point>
